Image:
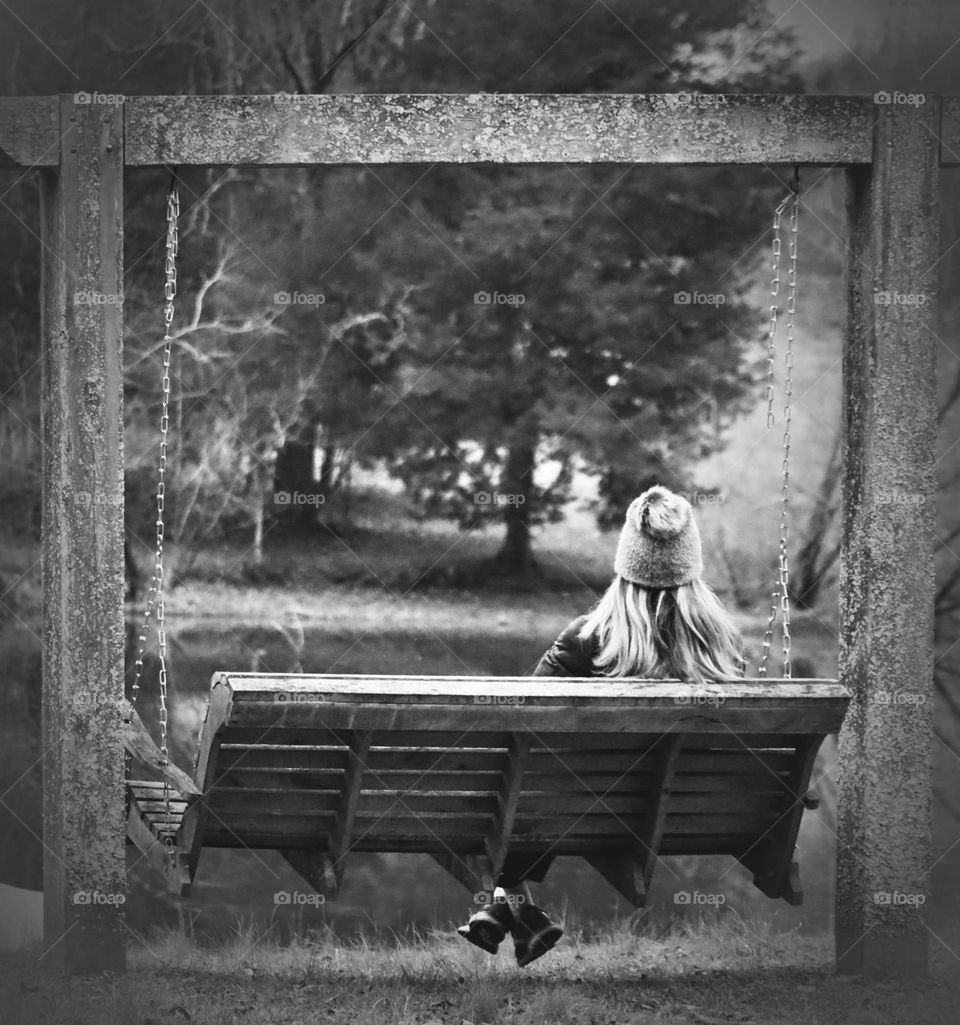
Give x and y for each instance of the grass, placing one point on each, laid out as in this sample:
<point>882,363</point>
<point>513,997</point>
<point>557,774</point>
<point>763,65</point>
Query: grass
<point>711,972</point>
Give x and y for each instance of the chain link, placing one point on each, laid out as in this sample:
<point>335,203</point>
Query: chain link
<point>781,594</point>
<point>155,599</point>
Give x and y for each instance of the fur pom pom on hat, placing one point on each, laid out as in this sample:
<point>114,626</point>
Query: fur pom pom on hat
<point>659,544</point>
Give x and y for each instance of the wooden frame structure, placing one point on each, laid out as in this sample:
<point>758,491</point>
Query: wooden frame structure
<point>892,153</point>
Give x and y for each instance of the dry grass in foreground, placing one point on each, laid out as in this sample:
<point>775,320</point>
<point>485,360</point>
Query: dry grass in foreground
<point>708,974</point>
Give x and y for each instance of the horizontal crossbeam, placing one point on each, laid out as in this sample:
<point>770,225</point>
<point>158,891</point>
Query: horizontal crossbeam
<point>489,128</point>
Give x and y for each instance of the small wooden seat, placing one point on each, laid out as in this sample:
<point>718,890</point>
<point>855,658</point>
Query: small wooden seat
<point>469,768</point>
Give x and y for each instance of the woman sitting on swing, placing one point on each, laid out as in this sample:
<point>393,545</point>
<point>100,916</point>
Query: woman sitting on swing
<point>656,620</point>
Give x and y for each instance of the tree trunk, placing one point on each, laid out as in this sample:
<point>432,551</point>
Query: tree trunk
<point>515,497</point>
<point>293,476</point>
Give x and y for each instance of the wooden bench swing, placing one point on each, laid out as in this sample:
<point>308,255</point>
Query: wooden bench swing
<point>466,768</point>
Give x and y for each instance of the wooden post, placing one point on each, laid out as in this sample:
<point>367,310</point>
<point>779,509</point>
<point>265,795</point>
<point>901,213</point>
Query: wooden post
<point>887,576</point>
<point>82,547</point>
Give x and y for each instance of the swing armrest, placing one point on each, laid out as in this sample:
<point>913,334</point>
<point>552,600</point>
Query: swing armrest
<point>141,746</point>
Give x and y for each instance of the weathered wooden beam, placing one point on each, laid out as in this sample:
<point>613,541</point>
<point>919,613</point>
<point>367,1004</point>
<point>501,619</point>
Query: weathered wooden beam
<point>624,872</point>
<point>773,859</point>
<point>472,871</point>
<point>631,872</point>
<point>498,840</point>
<point>662,789</point>
<point>342,832</point>
<point>315,867</point>
<point>499,128</point>
<point>82,543</point>
<point>292,706</point>
<point>205,775</point>
<point>339,717</point>
<point>141,746</point>
<point>888,536</point>
<point>794,129</point>
<point>29,131</point>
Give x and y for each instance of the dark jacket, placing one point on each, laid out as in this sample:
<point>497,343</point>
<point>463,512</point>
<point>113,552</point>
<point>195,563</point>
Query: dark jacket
<point>568,655</point>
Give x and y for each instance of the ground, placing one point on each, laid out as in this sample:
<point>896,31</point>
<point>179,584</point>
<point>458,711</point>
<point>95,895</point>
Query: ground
<point>710,973</point>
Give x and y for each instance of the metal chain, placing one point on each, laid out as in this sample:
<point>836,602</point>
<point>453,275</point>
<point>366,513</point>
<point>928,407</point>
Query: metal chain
<point>774,309</point>
<point>155,600</point>
<point>781,593</point>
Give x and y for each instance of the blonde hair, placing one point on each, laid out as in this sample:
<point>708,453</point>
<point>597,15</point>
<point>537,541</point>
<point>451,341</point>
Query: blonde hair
<point>664,633</point>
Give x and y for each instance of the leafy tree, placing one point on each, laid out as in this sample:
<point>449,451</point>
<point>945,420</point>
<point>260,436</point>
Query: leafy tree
<point>586,354</point>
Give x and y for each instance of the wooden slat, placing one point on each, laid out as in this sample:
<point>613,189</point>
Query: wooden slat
<point>281,757</point>
<point>497,128</point>
<point>305,779</point>
<point>291,691</point>
<point>154,805</point>
<point>314,722</point>
<point>557,784</point>
<point>555,762</point>
<point>324,804</point>
<point>148,842</point>
<point>728,843</point>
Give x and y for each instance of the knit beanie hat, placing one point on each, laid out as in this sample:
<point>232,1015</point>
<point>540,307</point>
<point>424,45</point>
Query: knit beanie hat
<point>659,544</point>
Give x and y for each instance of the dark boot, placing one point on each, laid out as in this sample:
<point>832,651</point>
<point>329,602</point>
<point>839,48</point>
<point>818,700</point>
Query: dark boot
<point>488,926</point>
<point>534,933</point>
